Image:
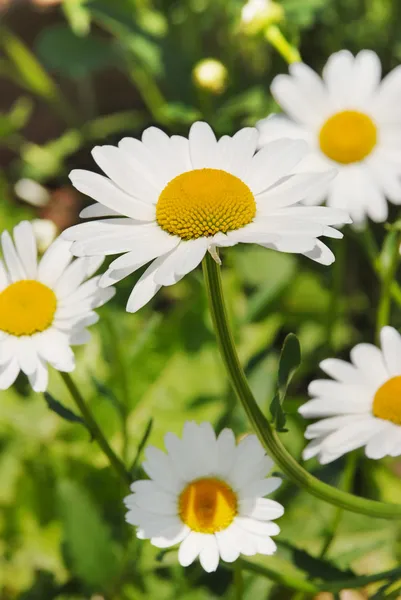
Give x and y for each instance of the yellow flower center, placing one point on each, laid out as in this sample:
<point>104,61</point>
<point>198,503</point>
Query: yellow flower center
<point>26,307</point>
<point>348,137</point>
<point>387,401</point>
<point>203,202</point>
<point>207,505</point>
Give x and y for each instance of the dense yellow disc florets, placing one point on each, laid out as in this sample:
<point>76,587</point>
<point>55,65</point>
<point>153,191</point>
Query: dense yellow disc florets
<point>26,307</point>
<point>207,505</point>
<point>387,401</point>
<point>204,202</point>
<point>348,137</point>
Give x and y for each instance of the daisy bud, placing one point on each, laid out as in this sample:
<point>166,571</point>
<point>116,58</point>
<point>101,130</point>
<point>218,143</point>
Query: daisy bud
<point>45,232</point>
<point>210,75</point>
<point>256,15</point>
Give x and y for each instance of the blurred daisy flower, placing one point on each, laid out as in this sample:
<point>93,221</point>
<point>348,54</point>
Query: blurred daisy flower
<point>170,200</point>
<point>45,306</point>
<point>350,120</point>
<point>361,407</point>
<point>206,494</point>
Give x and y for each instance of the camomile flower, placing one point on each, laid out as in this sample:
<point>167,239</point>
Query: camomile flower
<point>361,407</point>
<point>169,200</point>
<point>351,121</point>
<point>206,494</point>
<point>45,306</point>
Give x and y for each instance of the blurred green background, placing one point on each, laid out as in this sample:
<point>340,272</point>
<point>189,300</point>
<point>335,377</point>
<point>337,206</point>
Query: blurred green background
<point>78,73</point>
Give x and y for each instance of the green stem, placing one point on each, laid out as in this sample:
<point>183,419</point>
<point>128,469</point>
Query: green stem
<point>94,428</point>
<point>288,580</point>
<point>275,37</point>
<point>307,586</point>
<point>335,293</point>
<point>387,279</point>
<point>262,427</point>
<point>347,480</point>
<point>238,581</point>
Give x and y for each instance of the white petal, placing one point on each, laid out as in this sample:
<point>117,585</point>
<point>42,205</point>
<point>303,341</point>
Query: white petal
<point>383,443</point>
<point>39,379</point>
<point>225,451</point>
<point>4,278</point>
<point>13,262</point>
<point>158,466</point>
<point>199,442</point>
<point>171,536</point>
<point>318,407</point>
<point>190,548</point>
<point>262,509</point>
<point>276,126</point>
<point>369,360</point>
<point>349,438</point>
<point>202,146</point>
<point>25,244</point>
<point>391,345</point>
<point>251,525</point>
<point>209,555</point>
<point>338,75</point>
<point>27,354</point>
<point>295,96</point>
<point>239,151</point>
<point>226,542</point>
<point>107,193</point>
<point>8,373</point>
<point>321,254</point>
<point>341,370</point>
<point>325,426</point>
<point>366,77</point>
<point>146,287</point>
<point>157,502</point>
<point>97,210</point>
<point>114,162</point>
<point>54,261</point>
<point>274,161</point>
<point>183,259</point>
<point>261,487</point>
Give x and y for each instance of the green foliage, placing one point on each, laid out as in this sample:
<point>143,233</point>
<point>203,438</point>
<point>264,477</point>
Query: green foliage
<point>290,359</point>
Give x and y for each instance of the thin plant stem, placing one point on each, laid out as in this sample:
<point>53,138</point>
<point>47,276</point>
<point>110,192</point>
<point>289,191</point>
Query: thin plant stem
<point>238,581</point>
<point>275,37</point>
<point>94,428</point>
<point>348,478</point>
<point>387,279</point>
<point>280,576</point>
<point>267,435</point>
<point>335,293</point>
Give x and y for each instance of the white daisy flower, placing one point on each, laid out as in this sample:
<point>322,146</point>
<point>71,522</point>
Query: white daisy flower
<point>45,306</point>
<point>206,494</point>
<point>351,121</point>
<point>170,199</point>
<point>361,407</point>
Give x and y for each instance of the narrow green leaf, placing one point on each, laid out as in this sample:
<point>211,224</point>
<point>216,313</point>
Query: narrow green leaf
<point>390,249</point>
<point>62,411</point>
<point>290,359</point>
<point>317,568</point>
<point>141,445</point>
<point>108,394</point>
<point>78,16</point>
<point>88,541</point>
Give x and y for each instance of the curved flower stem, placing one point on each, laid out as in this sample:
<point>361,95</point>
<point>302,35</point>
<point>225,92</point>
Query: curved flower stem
<point>275,37</point>
<point>95,430</point>
<point>262,427</point>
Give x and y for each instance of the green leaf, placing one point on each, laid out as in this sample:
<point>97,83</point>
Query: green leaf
<point>141,446</point>
<point>316,568</point>
<point>62,411</point>
<point>107,393</point>
<point>71,55</point>
<point>31,72</point>
<point>78,16</point>
<point>87,537</point>
<point>290,359</point>
<point>389,251</point>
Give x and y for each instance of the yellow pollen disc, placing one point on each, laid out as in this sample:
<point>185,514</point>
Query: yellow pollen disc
<point>207,505</point>
<point>26,307</point>
<point>203,202</point>
<point>387,401</point>
<point>348,137</point>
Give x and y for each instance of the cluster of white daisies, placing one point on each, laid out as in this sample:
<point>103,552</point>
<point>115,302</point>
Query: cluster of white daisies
<point>167,201</point>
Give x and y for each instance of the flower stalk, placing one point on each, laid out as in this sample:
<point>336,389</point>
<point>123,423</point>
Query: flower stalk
<point>95,430</point>
<point>265,432</point>
<point>275,37</point>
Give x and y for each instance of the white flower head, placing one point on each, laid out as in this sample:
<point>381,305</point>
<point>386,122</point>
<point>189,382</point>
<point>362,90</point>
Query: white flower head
<point>350,120</point>
<point>170,199</point>
<point>361,407</point>
<point>206,494</point>
<point>45,306</point>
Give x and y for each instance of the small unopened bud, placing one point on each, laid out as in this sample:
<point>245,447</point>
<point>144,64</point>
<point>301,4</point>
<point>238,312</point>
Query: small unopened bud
<point>256,15</point>
<point>32,192</point>
<point>211,75</point>
<point>45,233</point>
